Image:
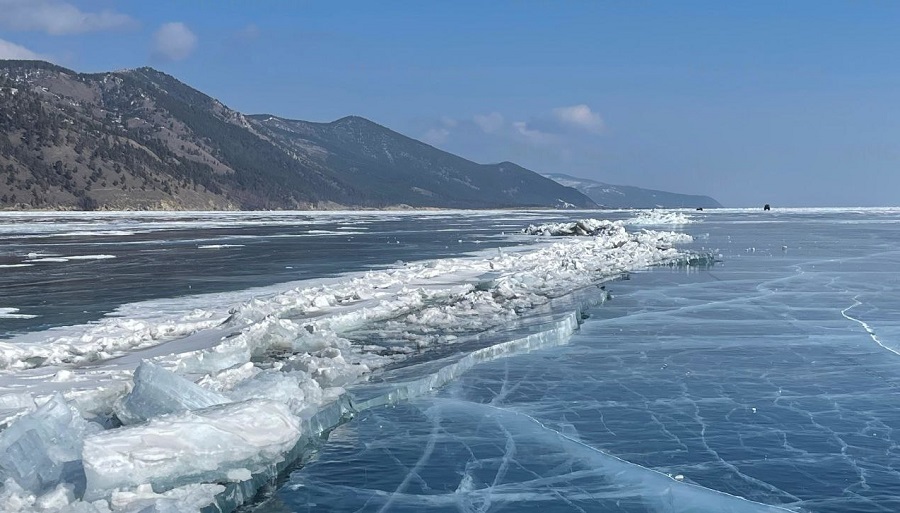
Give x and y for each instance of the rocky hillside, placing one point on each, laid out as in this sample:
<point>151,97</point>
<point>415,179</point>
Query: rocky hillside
<point>624,196</point>
<point>140,139</point>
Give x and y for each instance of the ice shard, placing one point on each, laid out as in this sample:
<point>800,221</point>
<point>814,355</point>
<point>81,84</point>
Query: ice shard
<point>43,448</point>
<point>158,391</point>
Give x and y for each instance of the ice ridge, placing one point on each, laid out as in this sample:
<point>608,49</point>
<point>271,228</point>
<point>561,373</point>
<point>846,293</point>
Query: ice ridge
<point>277,366</point>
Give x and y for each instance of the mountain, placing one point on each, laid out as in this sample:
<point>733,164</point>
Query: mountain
<point>392,167</point>
<point>141,139</point>
<point>624,196</point>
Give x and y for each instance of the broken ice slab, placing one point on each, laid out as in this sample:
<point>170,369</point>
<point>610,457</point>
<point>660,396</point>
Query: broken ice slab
<point>313,431</point>
<point>43,448</point>
<point>218,444</point>
<point>158,391</point>
<point>406,383</point>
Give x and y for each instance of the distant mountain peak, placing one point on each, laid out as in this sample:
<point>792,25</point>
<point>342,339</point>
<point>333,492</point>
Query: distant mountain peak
<point>625,196</point>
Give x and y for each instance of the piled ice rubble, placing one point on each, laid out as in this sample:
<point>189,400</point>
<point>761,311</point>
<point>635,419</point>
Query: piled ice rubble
<point>207,425</point>
<point>659,218</point>
<point>111,337</point>
<point>583,227</point>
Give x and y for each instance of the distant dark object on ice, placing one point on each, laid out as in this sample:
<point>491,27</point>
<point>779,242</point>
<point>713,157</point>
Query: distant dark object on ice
<point>767,207</point>
<point>699,208</point>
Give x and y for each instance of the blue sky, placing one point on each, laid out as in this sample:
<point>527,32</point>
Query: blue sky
<point>789,103</point>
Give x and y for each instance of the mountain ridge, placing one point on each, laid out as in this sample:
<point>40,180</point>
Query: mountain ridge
<point>141,139</point>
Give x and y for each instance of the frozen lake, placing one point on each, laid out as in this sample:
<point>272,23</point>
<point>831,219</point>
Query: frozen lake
<point>764,382</point>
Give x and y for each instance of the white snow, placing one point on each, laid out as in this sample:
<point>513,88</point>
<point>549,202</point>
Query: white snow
<point>13,313</point>
<point>91,257</point>
<point>229,386</point>
<point>38,259</point>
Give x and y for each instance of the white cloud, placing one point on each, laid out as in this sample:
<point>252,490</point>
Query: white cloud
<point>557,130</point>
<point>58,18</point>
<point>579,116</point>
<point>10,50</point>
<point>174,41</point>
<point>533,135</point>
<point>489,123</point>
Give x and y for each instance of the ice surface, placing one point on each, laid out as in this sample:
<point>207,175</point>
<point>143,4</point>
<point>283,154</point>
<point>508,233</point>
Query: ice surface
<point>286,355</point>
<point>210,445</point>
<point>158,392</point>
<point>43,449</point>
<point>450,455</point>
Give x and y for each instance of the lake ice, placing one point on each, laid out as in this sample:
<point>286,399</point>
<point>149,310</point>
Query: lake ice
<point>502,378</point>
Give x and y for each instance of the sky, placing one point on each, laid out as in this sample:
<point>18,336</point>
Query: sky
<point>787,103</point>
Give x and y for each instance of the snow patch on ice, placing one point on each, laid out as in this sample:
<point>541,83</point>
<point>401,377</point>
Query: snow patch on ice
<point>91,257</point>
<point>86,233</point>
<point>12,313</point>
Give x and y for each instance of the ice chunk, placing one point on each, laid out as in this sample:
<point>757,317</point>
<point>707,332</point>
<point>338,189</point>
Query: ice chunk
<point>158,391</point>
<point>199,446</point>
<point>43,448</point>
<point>295,389</point>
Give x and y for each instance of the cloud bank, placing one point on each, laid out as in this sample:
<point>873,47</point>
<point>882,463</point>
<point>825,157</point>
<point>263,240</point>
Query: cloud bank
<point>9,50</point>
<point>558,139</point>
<point>174,42</point>
<point>556,127</point>
<point>580,117</point>
<point>58,18</point>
